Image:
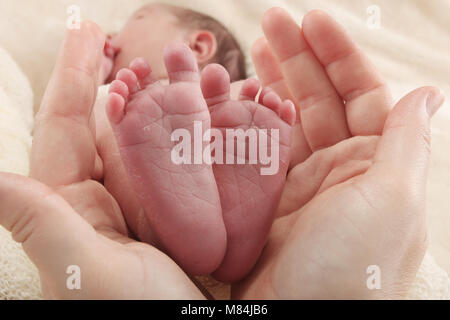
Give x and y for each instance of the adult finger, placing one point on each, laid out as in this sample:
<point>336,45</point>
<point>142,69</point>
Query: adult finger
<point>405,147</point>
<point>64,148</point>
<point>322,111</point>
<point>268,69</point>
<point>52,234</point>
<point>368,99</point>
<point>269,72</point>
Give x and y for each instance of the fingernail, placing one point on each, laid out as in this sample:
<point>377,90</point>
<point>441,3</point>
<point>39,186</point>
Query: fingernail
<point>434,101</point>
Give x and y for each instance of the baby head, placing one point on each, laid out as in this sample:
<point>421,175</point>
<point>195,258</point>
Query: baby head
<point>154,26</point>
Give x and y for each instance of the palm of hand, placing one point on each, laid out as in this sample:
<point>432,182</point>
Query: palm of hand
<point>67,217</point>
<point>342,201</point>
<point>113,257</point>
<point>328,239</point>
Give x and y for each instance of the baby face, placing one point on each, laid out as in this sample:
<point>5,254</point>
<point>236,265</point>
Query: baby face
<point>145,35</point>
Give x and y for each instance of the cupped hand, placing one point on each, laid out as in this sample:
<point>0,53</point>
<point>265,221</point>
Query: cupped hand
<point>355,196</point>
<point>63,215</point>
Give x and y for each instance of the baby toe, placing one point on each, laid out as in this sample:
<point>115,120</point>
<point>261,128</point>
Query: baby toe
<point>272,101</point>
<point>215,84</point>
<point>180,63</point>
<point>129,78</point>
<point>115,108</point>
<point>120,88</point>
<point>263,93</point>
<point>288,112</point>
<point>143,72</point>
<point>250,90</point>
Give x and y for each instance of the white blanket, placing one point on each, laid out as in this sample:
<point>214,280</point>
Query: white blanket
<point>410,49</point>
<point>18,276</point>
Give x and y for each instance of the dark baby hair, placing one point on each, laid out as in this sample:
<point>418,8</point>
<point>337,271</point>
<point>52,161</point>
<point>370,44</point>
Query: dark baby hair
<point>229,53</point>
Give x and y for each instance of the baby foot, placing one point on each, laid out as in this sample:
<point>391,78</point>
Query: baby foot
<point>249,198</point>
<point>181,202</point>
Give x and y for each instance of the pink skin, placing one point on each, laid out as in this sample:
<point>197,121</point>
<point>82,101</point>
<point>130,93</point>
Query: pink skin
<point>181,203</point>
<point>158,27</point>
<point>169,193</point>
<point>109,55</point>
<point>249,200</point>
<point>55,221</point>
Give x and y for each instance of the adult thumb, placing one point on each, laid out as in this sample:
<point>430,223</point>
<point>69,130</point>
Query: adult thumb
<point>52,234</point>
<point>405,146</point>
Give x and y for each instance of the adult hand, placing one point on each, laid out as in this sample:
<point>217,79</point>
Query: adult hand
<point>337,91</point>
<point>62,215</point>
<point>353,199</point>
